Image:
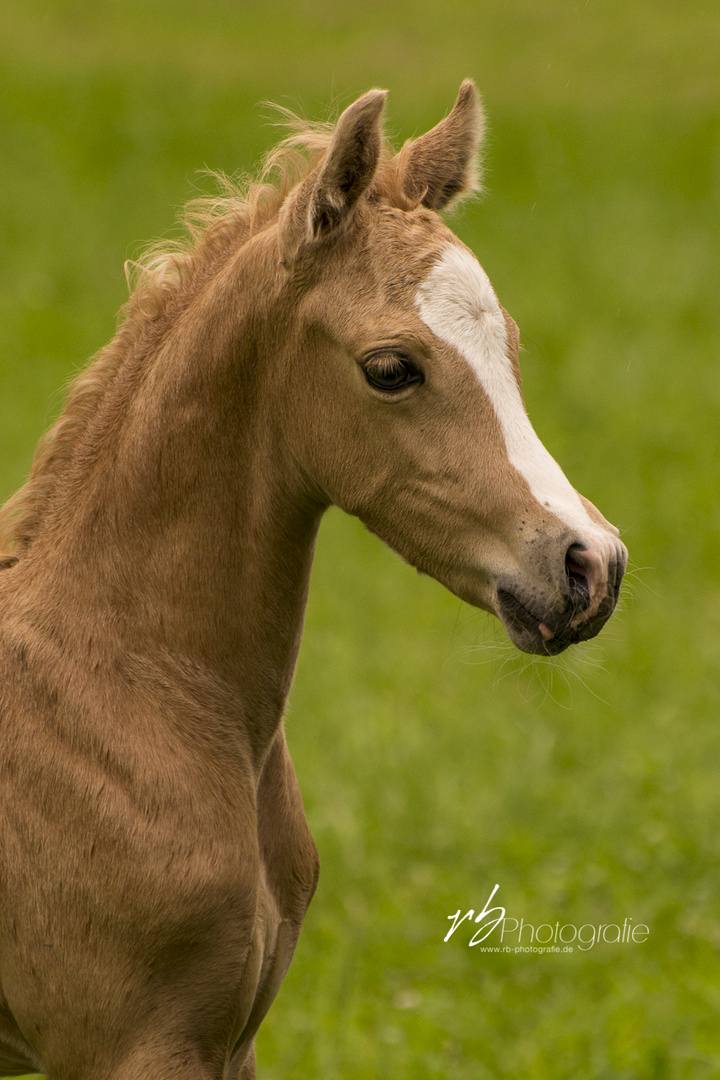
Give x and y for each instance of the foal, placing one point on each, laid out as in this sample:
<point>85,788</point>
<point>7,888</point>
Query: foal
<point>326,340</point>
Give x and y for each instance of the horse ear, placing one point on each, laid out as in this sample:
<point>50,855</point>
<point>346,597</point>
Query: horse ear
<point>442,166</point>
<point>325,202</point>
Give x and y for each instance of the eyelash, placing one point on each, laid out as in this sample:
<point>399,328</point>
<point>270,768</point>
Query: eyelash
<point>391,372</point>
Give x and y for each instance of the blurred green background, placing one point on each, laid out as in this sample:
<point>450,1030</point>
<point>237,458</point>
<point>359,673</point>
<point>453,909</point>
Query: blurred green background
<point>435,762</point>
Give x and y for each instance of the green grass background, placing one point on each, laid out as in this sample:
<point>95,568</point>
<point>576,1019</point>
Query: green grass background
<point>434,761</point>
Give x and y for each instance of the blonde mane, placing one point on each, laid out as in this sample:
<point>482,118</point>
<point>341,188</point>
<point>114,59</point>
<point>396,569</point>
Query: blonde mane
<point>161,282</point>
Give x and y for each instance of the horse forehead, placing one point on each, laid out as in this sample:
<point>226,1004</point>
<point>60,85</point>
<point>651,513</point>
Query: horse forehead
<point>456,301</point>
<point>376,274</point>
<point>406,246</point>
<point>456,294</point>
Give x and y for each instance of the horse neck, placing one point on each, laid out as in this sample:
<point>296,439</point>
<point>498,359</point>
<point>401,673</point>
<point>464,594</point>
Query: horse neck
<point>183,529</point>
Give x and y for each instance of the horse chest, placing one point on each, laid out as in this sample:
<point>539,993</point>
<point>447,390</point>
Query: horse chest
<point>191,917</point>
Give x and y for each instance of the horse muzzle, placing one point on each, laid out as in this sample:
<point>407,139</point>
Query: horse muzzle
<point>574,608</point>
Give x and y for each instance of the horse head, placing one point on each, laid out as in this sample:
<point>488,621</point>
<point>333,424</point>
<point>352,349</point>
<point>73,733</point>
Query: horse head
<point>403,390</point>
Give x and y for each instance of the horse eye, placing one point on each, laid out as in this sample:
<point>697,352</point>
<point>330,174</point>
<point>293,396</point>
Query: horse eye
<point>388,371</point>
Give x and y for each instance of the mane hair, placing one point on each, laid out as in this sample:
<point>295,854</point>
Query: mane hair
<point>161,282</point>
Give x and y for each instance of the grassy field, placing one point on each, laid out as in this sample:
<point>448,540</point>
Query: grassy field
<point>435,762</point>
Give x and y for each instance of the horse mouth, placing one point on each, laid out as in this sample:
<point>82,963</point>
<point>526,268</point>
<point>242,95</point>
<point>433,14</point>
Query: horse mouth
<point>525,629</point>
<point>553,634</point>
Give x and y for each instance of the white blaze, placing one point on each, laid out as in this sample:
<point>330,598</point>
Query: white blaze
<point>457,302</point>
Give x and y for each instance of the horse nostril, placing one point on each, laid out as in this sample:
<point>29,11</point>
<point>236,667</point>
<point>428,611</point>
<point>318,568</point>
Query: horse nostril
<point>577,579</point>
